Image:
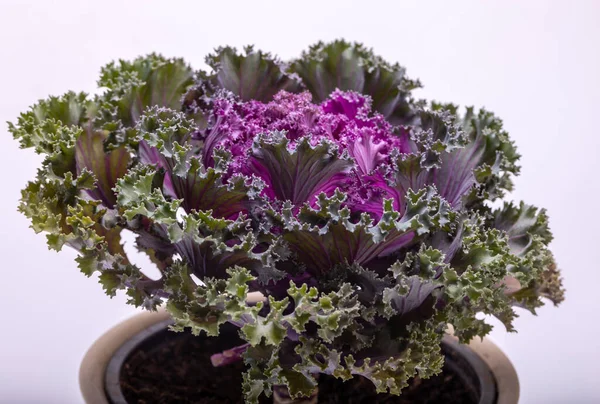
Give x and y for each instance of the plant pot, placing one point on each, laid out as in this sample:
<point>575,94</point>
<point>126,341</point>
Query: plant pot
<point>130,349</point>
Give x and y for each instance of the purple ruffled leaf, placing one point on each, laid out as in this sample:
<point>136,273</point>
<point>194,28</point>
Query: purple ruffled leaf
<point>203,262</point>
<point>151,156</point>
<point>300,173</point>
<point>349,103</point>
<point>455,177</point>
<point>205,190</point>
<point>107,166</point>
<point>410,296</point>
<point>322,252</point>
<point>368,152</point>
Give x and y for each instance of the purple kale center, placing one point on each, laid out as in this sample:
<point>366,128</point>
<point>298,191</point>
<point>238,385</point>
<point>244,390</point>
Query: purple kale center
<point>362,139</point>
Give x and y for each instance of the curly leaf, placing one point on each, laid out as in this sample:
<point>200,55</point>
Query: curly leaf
<point>345,66</point>
<point>131,87</point>
<point>253,75</point>
<point>107,167</point>
<point>297,174</point>
<point>535,274</point>
<point>328,237</point>
<point>70,109</point>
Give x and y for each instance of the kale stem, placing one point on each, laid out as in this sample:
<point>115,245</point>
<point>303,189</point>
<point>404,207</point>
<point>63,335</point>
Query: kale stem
<point>229,356</point>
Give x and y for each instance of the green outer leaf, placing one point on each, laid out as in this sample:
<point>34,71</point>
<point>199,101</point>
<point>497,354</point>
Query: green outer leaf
<point>345,66</point>
<point>70,109</point>
<point>528,236</point>
<point>131,87</point>
<point>253,75</point>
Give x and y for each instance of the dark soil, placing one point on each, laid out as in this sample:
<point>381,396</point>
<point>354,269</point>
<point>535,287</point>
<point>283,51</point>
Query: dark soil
<point>177,369</point>
<point>445,388</point>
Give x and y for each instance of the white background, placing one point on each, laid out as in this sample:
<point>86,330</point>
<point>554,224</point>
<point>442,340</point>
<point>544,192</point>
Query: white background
<point>536,64</point>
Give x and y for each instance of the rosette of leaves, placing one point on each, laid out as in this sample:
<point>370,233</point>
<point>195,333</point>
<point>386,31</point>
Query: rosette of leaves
<point>361,215</point>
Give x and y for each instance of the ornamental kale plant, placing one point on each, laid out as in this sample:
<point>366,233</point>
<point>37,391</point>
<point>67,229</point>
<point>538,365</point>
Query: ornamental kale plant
<point>363,215</point>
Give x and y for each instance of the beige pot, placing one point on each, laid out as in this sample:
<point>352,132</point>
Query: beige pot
<point>93,366</point>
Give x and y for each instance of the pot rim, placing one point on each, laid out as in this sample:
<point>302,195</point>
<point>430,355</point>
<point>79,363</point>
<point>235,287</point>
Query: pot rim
<point>94,363</point>
<point>98,358</point>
